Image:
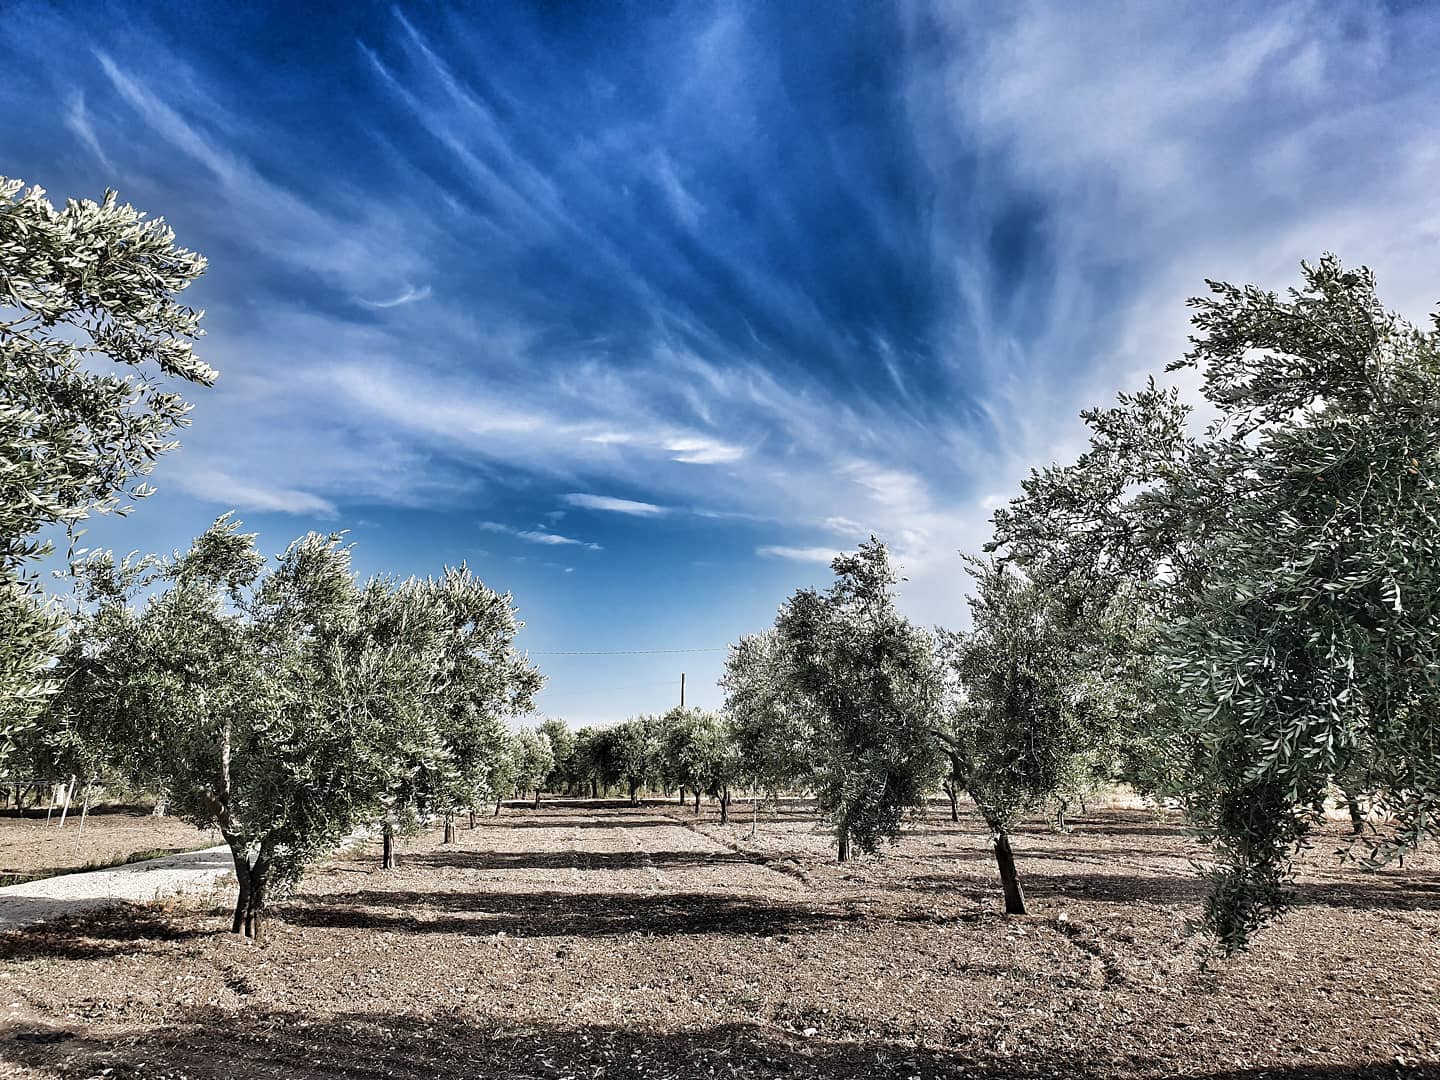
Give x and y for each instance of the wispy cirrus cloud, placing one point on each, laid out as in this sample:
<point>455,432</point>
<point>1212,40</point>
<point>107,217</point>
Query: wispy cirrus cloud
<point>613,505</point>
<point>225,490</point>
<point>822,555</point>
<point>532,536</point>
<point>407,296</point>
<point>730,289</point>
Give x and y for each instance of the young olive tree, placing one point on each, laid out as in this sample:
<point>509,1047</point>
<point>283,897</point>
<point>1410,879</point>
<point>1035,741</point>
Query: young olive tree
<point>534,760</point>
<point>591,761</point>
<point>1285,554</point>
<point>1027,706</point>
<point>771,724</point>
<point>563,775</point>
<point>80,284</point>
<point>698,752</point>
<point>872,685</point>
<point>455,741</point>
<point>631,754</point>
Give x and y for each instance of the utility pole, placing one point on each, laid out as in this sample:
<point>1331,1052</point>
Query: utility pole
<point>682,689</point>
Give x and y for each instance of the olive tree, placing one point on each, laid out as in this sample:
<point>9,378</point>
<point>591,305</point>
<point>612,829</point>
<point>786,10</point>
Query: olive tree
<point>563,775</point>
<point>632,755</point>
<point>1028,705</point>
<point>698,752</point>
<point>1286,557</point>
<point>591,762</point>
<point>81,284</point>
<point>276,703</point>
<point>534,759</point>
<point>771,725</point>
<point>872,685</point>
<point>455,745</point>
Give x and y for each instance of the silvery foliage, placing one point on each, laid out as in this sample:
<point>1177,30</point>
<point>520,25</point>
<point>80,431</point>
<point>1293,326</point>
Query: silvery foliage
<point>532,758</point>
<point>1287,558</point>
<point>698,751</point>
<point>78,285</point>
<point>563,769</point>
<point>287,704</point>
<point>630,753</point>
<point>872,684</point>
<point>1030,705</point>
<point>457,752</point>
<point>772,726</point>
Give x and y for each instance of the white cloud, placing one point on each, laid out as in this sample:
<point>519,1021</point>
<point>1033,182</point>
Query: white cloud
<point>408,296</point>
<point>226,490</point>
<point>77,119</point>
<point>531,536</point>
<point>798,554</point>
<point>614,505</point>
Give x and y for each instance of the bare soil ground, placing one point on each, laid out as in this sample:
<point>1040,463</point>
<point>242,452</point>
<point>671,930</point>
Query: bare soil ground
<point>29,847</point>
<point>599,941</point>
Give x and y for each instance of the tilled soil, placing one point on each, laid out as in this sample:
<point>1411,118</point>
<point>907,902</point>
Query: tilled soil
<point>595,940</point>
<point>32,847</point>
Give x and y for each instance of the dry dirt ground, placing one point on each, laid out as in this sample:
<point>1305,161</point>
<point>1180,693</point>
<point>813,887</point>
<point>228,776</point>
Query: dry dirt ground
<point>30,847</point>
<point>599,941</point>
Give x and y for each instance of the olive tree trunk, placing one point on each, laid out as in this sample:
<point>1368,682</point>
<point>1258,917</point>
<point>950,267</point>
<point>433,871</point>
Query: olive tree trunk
<point>1357,815</point>
<point>1009,879</point>
<point>253,879</point>
<point>387,847</point>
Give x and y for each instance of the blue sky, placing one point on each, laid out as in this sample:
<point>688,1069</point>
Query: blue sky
<point>645,311</point>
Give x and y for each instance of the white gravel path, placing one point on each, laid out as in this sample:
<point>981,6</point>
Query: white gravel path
<point>36,901</point>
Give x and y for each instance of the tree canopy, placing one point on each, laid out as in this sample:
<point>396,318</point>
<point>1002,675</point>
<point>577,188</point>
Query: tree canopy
<point>1285,555</point>
<point>872,684</point>
<point>84,283</point>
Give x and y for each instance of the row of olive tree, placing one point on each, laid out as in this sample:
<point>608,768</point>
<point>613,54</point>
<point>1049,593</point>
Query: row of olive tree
<point>848,699</point>
<point>1245,618</point>
<point>690,750</point>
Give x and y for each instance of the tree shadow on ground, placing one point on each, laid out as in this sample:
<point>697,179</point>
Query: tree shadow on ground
<point>210,1044</point>
<point>1077,852</point>
<point>557,914</point>
<point>460,859</point>
<point>636,820</point>
<point>1364,894</point>
<point>91,933</point>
